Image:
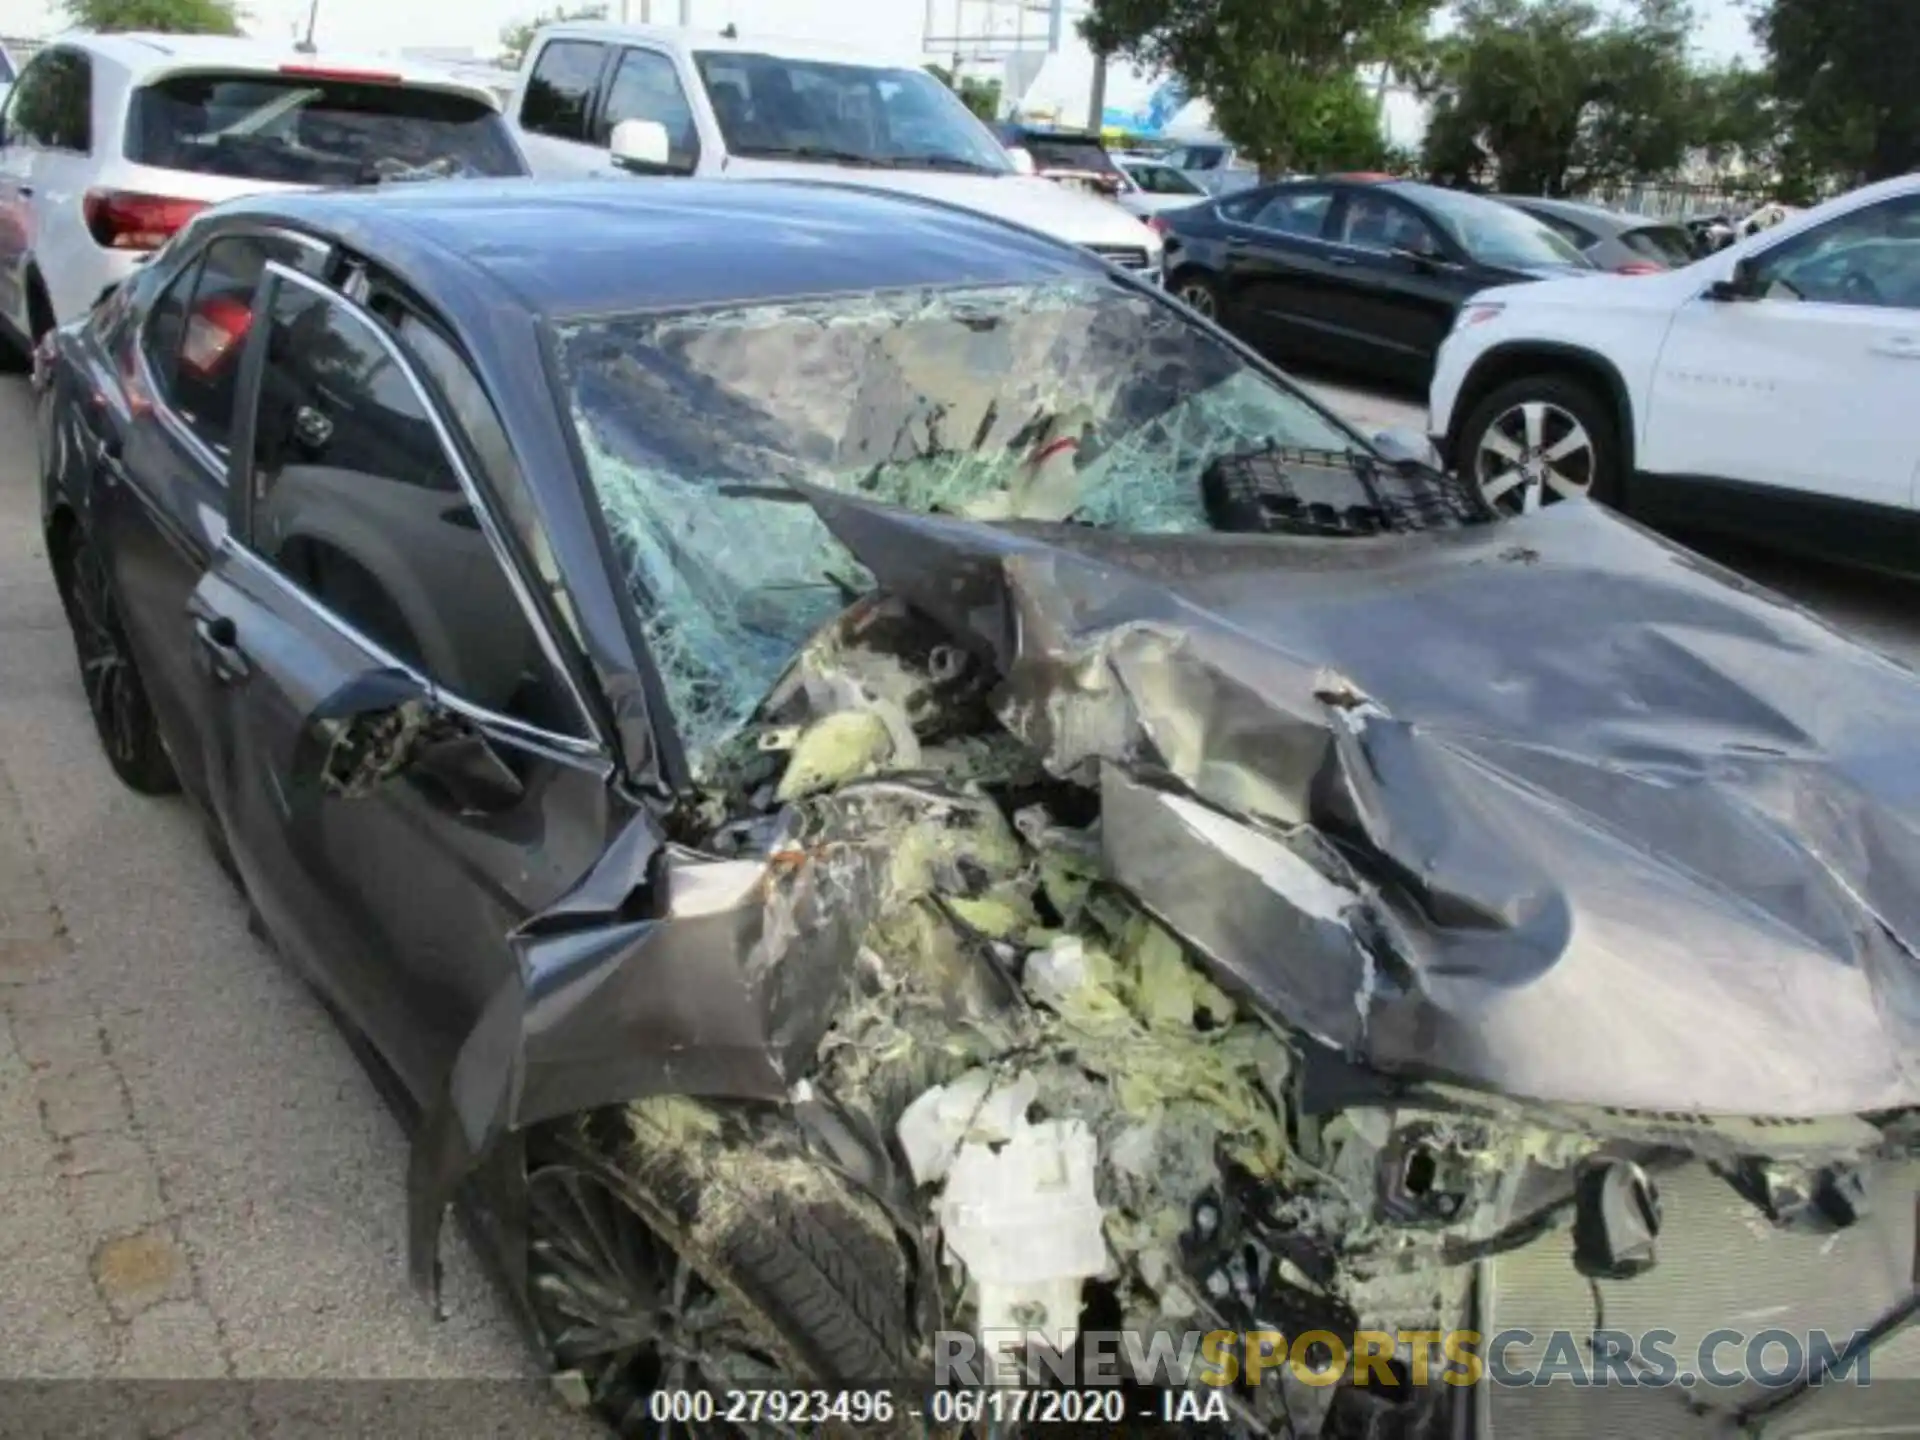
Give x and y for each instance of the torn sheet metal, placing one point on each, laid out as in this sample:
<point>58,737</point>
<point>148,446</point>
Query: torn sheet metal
<point>662,972</point>
<point>1626,831</point>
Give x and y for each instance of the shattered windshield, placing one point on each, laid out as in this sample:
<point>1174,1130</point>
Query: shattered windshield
<point>1079,402</point>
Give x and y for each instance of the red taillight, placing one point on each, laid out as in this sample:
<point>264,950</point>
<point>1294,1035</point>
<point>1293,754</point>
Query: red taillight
<point>1639,267</point>
<point>214,331</point>
<point>324,72</point>
<point>127,220</point>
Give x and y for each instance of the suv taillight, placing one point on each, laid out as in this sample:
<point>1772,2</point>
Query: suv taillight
<point>128,220</point>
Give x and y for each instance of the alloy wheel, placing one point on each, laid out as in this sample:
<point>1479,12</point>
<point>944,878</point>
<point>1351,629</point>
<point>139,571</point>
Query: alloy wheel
<point>106,672</point>
<point>1532,455</point>
<point>1199,297</point>
<point>620,1309</point>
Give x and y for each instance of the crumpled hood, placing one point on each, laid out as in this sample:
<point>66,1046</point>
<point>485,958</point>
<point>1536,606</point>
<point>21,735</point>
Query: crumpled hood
<point>1549,807</point>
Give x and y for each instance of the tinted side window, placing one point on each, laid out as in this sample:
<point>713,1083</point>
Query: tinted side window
<point>1373,222</point>
<point>1870,257</point>
<point>356,501</point>
<point>646,87</point>
<point>52,106</point>
<point>1573,234</point>
<point>1298,212</point>
<point>559,93</point>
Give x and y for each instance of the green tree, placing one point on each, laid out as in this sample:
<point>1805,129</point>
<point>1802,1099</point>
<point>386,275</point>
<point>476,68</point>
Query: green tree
<point>177,17</point>
<point>982,97</point>
<point>1847,74</point>
<point>517,37</point>
<point>1548,97</point>
<point>1282,78</point>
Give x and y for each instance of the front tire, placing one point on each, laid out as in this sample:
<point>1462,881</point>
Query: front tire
<point>1198,293</point>
<point>675,1244</point>
<point>1542,439</point>
<point>116,695</point>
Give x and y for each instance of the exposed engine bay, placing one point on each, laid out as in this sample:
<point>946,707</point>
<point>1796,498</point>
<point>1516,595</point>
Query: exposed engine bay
<point>1105,1136</point>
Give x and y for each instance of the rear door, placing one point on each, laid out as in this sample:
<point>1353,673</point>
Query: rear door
<point>162,504</point>
<point>1276,264</point>
<point>555,109</point>
<point>366,585</point>
<point>1397,282</point>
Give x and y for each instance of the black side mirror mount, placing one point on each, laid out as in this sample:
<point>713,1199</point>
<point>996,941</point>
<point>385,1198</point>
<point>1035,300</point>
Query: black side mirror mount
<point>385,725</point>
<point>1742,284</point>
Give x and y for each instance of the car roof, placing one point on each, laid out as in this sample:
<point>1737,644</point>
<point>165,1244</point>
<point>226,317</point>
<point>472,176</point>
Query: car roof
<point>1603,215</point>
<point>582,247</point>
<point>673,39</point>
<point>144,54</point>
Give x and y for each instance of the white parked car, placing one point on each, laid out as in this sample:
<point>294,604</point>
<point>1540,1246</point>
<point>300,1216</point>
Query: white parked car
<point>677,102</point>
<point>110,143</point>
<point>1769,390</point>
<point>1152,187</point>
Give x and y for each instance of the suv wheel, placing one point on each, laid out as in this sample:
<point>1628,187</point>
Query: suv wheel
<point>1538,440</point>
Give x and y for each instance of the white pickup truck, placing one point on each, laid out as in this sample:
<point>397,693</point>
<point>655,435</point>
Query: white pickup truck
<point>596,98</point>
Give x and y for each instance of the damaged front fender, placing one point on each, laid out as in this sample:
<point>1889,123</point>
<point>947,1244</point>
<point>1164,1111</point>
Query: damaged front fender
<point>662,972</point>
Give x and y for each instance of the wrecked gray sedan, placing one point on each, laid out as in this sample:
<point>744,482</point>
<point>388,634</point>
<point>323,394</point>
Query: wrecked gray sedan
<point>885,795</point>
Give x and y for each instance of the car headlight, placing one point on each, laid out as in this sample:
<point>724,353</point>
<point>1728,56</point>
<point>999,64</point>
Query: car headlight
<point>1477,313</point>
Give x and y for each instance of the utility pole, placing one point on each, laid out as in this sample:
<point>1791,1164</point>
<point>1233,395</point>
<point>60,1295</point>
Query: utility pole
<point>1097,103</point>
<point>305,46</point>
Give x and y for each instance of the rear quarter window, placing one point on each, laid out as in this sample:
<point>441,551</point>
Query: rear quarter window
<point>306,131</point>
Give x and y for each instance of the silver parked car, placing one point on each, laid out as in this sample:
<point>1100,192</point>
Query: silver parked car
<point>1150,187</point>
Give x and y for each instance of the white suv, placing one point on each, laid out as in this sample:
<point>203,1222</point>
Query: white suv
<point>1772,389</point>
<point>109,143</point>
<point>677,102</point>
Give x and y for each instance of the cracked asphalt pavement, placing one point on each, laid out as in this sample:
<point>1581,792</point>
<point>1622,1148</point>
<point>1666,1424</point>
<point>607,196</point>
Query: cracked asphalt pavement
<point>200,1183</point>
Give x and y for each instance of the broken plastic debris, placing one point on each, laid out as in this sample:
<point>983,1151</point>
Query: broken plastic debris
<point>971,1109</point>
<point>1025,1222</point>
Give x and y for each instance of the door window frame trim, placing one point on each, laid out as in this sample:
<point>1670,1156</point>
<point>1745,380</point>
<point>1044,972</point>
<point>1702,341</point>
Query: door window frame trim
<point>611,72</point>
<point>218,466</point>
<point>596,93</point>
<point>593,743</point>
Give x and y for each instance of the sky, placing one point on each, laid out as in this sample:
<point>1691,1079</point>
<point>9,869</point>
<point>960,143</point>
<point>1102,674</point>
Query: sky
<point>894,26</point>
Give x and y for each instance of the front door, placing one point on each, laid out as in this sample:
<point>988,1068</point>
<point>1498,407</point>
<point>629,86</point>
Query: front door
<point>1811,386</point>
<point>1401,285</point>
<point>359,595</point>
<point>163,504</point>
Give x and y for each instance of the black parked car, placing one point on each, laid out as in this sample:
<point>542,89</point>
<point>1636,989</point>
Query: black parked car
<point>872,746</point>
<point>1615,240</point>
<point>1360,274</point>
